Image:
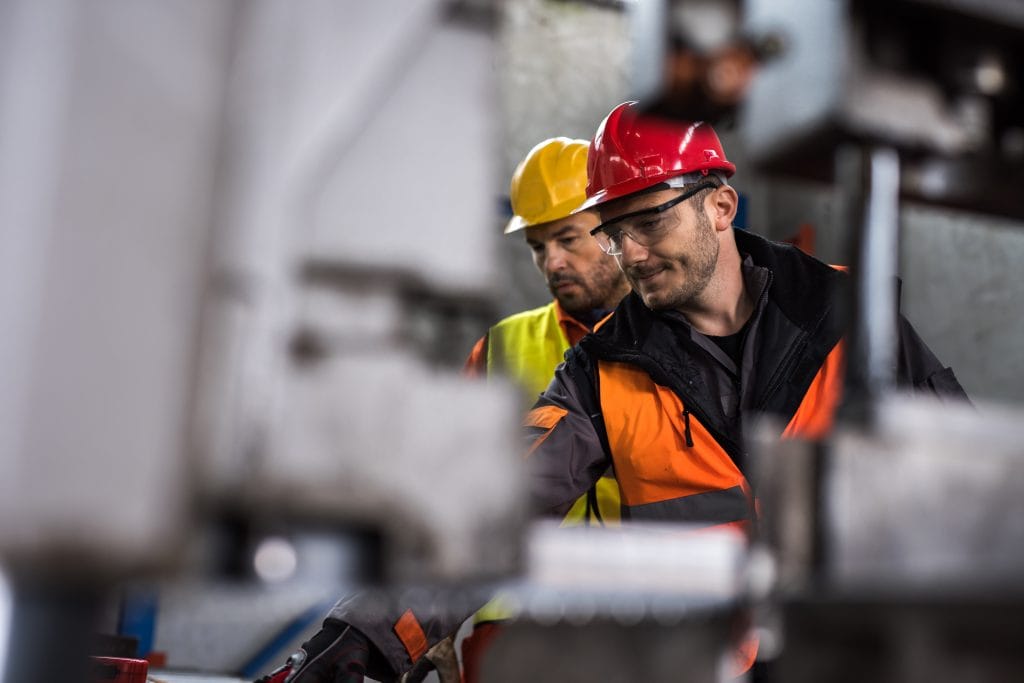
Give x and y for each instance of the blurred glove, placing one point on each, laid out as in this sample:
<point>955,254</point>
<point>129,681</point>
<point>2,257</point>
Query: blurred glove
<point>440,658</point>
<point>338,653</point>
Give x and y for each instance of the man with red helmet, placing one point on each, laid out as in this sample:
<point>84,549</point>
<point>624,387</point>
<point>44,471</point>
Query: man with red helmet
<point>721,324</point>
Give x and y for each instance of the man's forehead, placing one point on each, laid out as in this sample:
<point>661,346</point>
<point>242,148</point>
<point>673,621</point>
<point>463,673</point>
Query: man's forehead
<point>580,222</point>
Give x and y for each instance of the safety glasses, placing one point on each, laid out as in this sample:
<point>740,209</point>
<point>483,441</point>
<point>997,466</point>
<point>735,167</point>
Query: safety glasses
<point>645,227</point>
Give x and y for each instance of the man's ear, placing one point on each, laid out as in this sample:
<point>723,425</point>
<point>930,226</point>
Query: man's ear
<point>724,204</point>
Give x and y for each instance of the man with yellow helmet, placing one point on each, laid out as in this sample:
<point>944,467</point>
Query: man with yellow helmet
<point>547,187</point>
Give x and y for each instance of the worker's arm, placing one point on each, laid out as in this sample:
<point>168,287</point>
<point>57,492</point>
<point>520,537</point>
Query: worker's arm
<point>917,367</point>
<point>565,457</point>
<point>336,654</point>
<point>401,629</point>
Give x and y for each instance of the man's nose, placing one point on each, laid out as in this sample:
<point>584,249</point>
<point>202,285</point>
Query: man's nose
<point>632,251</point>
<point>555,259</point>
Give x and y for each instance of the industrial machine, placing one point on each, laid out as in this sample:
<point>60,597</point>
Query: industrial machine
<point>236,272</point>
<point>241,244</point>
<point>898,538</point>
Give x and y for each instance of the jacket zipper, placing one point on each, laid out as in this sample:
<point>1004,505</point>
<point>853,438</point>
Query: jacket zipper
<point>730,446</point>
<point>686,428</point>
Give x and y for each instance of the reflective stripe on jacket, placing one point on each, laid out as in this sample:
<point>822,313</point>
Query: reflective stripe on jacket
<point>669,466</point>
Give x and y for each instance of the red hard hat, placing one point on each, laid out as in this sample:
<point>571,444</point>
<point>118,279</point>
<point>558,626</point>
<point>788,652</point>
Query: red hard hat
<point>632,152</point>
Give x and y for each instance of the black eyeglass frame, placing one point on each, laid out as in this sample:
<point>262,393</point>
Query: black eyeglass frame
<point>660,208</point>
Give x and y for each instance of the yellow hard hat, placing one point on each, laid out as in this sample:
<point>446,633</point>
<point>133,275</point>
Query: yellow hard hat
<point>549,184</point>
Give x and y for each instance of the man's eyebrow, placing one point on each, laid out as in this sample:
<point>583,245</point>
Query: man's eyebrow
<point>564,229</point>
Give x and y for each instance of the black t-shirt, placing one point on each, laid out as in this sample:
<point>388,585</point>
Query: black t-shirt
<point>592,317</point>
<point>733,344</point>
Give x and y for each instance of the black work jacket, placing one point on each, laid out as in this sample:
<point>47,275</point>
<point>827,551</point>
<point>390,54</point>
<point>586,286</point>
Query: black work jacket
<point>796,323</point>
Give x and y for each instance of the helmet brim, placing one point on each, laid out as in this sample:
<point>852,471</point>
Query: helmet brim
<point>637,185</point>
<point>515,224</point>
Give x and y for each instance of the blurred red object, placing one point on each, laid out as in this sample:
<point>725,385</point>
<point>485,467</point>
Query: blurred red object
<point>118,670</point>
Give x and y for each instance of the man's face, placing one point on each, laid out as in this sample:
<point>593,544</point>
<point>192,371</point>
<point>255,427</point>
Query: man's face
<point>580,276</point>
<point>673,271</point>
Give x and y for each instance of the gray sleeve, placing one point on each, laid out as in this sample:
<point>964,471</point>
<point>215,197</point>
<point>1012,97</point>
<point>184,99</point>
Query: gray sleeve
<point>918,369</point>
<point>376,614</point>
<point>566,456</point>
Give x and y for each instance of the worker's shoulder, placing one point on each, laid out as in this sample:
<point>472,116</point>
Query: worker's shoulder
<point>524,317</point>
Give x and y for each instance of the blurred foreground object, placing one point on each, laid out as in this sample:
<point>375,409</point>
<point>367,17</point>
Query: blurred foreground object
<point>900,550</point>
<point>229,293</point>
<point>942,81</point>
<point>898,537</point>
<point>642,602</point>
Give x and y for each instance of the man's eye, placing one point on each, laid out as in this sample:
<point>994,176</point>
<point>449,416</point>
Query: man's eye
<point>537,248</point>
<point>567,241</point>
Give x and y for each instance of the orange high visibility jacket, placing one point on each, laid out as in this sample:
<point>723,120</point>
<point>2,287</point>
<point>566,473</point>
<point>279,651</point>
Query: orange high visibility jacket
<point>669,465</point>
<point>639,394</point>
<point>642,393</point>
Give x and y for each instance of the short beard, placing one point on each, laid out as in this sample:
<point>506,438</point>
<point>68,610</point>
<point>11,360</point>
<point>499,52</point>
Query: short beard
<point>701,266</point>
<point>602,291</point>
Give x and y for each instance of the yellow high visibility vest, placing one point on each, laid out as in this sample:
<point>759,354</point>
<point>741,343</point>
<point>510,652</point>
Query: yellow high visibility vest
<point>527,347</point>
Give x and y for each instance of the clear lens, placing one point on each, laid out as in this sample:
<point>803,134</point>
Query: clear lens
<point>645,227</point>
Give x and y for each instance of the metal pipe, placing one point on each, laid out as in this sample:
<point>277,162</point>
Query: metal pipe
<point>868,179</point>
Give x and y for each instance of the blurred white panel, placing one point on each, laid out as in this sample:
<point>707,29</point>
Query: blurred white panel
<point>428,458</point>
<point>347,125</point>
<point>35,53</point>
<point>110,115</point>
<point>305,79</point>
<point>959,527</point>
<point>808,78</point>
<point>414,188</point>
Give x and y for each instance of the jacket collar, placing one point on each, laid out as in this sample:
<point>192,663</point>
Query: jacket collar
<point>802,287</point>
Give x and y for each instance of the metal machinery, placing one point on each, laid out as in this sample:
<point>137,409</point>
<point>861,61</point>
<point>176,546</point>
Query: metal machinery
<point>233,263</point>
<point>899,539</point>
<point>234,269</point>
